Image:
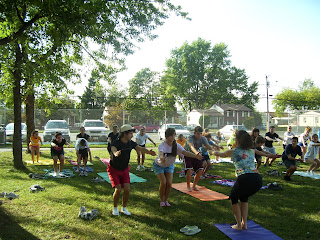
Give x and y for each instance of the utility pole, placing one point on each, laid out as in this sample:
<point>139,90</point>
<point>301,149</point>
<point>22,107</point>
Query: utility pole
<point>268,116</point>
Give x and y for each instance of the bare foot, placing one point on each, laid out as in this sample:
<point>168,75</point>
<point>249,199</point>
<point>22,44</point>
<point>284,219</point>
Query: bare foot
<point>236,227</point>
<point>189,189</point>
<point>195,188</point>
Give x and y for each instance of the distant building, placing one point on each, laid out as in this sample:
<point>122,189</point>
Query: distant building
<point>221,115</point>
<point>310,118</point>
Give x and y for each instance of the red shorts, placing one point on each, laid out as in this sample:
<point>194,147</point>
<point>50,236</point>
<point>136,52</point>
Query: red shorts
<point>118,176</point>
<point>34,147</point>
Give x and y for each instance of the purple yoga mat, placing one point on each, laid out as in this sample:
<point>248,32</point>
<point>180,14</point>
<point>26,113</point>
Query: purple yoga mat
<point>105,160</point>
<point>254,231</point>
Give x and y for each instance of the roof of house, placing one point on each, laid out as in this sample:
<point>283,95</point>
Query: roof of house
<point>234,107</point>
<point>208,112</point>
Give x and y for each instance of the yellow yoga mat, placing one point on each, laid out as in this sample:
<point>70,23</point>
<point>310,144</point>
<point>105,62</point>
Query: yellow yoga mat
<point>41,162</point>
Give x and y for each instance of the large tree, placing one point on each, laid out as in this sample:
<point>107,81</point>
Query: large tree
<point>199,75</point>
<point>307,97</point>
<point>33,30</point>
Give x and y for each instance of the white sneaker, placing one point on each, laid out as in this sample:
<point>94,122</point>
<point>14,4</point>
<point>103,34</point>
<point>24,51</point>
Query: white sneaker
<point>142,168</point>
<point>85,173</point>
<point>138,168</point>
<point>125,211</point>
<point>54,174</point>
<point>77,171</point>
<point>11,196</point>
<point>82,212</point>
<point>115,211</point>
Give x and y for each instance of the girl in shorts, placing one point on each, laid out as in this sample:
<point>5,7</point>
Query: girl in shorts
<point>34,145</point>
<point>312,153</point>
<point>249,181</point>
<point>303,139</point>
<point>163,166</point>
<point>57,152</point>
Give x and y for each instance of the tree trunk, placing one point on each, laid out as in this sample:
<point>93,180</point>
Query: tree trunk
<point>16,143</point>
<point>29,101</point>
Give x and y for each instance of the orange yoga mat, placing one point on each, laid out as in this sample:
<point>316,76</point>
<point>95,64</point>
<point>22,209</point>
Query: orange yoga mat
<point>204,194</point>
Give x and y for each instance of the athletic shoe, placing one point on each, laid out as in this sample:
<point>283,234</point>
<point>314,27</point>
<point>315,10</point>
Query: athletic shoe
<point>85,173</point>
<point>82,212</point>
<point>138,168</point>
<point>11,196</point>
<point>162,204</point>
<point>91,215</point>
<point>142,168</point>
<point>54,174</point>
<point>115,211</point>
<point>125,211</point>
<point>167,204</point>
<point>3,194</point>
<point>77,171</point>
<point>81,174</point>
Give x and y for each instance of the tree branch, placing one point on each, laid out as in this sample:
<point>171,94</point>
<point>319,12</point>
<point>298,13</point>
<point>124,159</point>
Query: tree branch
<point>16,35</point>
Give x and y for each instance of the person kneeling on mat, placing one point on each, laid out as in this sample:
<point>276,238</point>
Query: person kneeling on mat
<point>289,157</point>
<point>249,181</point>
<point>118,168</point>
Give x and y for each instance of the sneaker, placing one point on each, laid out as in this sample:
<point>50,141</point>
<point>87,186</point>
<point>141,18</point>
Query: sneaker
<point>125,211</point>
<point>3,194</point>
<point>85,174</point>
<point>142,168</point>
<point>162,204</point>
<point>138,168</point>
<point>54,174</point>
<point>167,204</point>
<point>11,196</point>
<point>77,171</point>
<point>82,212</point>
<point>81,174</point>
<point>91,215</point>
<point>115,211</point>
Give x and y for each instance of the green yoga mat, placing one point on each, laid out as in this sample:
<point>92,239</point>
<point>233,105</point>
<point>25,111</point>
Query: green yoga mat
<point>133,178</point>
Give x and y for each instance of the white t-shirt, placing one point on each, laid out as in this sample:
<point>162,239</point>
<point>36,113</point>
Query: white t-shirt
<point>312,152</point>
<point>165,148</point>
<point>141,140</point>
<point>303,138</point>
<point>287,139</point>
<point>78,146</point>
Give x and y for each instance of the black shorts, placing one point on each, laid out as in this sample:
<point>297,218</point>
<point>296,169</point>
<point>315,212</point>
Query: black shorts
<point>83,153</point>
<point>205,158</point>
<point>57,153</point>
<point>245,186</point>
<point>144,145</point>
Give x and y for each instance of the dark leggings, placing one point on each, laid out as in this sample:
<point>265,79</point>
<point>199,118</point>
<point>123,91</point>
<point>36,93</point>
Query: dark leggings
<point>245,186</point>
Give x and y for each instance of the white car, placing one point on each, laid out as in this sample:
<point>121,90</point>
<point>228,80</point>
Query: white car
<point>178,127</point>
<point>10,130</point>
<point>227,130</point>
<point>96,130</point>
<point>54,126</point>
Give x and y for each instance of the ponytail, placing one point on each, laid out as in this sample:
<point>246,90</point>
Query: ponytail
<point>174,148</point>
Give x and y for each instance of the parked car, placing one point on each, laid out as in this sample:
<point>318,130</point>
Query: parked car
<point>53,126</point>
<point>227,130</point>
<point>178,127</point>
<point>96,130</point>
<point>191,127</point>
<point>10,129</point>
<point>149,127</point>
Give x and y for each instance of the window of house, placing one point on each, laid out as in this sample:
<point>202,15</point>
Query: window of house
<point>228,113</point>
<point>234,114</point>
<point>304,120</point>
<point>248,114</point>
<point>243,114</point>
<point>317,120</point>
<point>188,118</point>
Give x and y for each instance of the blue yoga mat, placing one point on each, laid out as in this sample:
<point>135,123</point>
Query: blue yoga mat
<point>89,169</point>
<point>254,231</point>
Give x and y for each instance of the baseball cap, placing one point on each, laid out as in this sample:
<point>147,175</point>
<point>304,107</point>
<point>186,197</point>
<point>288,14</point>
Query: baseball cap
<point>126,127</point>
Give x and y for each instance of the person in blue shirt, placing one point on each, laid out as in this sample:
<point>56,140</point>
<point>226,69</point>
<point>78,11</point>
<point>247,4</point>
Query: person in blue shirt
<point>248,180</point>
<point>289,158</point>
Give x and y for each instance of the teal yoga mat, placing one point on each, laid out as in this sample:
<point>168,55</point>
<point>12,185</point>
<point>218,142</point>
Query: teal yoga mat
<point>133,178</point>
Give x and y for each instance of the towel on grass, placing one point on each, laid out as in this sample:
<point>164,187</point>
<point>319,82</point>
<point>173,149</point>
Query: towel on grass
<point>230,183</point>
<point>133,178</point>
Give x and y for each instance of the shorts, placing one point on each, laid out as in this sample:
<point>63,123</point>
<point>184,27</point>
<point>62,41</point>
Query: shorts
<point>83,153</point>
<point>245,186</point>
<point>192,163</point>
<point>205,158</point>
<point>301,144</point>
<point>118,176</point>
<point>271,150</point>
<point>158,169</point>
<point>289,162</point>
<point>257,157</point>
<point>284,146</point>
<point>144,145</point>
<point>34,147</point>
<point>57,153</point>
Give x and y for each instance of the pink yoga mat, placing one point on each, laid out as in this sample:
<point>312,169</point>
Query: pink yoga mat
<point>105,160</point>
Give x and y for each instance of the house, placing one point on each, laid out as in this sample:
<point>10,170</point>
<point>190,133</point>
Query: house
<point>221,115</point>
<point>310,118</point>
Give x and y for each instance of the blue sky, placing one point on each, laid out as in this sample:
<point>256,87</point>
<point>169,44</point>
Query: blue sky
<point>278,38</point>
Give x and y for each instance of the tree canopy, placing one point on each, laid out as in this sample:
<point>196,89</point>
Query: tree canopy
<point>199,75</point>
<point>38,37</point>
<point>307,97</point>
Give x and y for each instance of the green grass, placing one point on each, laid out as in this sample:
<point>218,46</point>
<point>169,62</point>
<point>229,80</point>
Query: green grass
<point>293,213</point>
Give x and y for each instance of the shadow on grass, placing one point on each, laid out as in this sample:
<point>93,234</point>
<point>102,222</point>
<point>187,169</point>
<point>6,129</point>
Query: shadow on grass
<point>10,229</point>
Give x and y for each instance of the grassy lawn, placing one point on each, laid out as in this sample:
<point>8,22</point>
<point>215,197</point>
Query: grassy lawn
<point>293,213</point>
